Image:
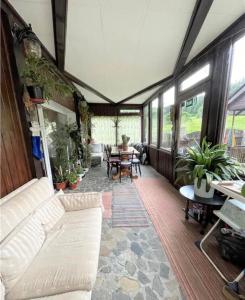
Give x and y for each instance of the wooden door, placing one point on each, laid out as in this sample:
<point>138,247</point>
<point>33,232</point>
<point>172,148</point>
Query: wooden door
<point>15,165</point>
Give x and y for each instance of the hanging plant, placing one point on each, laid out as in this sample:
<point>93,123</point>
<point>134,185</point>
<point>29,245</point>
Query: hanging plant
<point>41,80</point>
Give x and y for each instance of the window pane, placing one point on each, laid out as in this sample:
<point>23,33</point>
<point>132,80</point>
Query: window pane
<point>168,101</point>
<point>154,121</point>
<point>131,126</point>
<point>191,113</point>
<point>234,135</point>
<point>103,130</point>
<point>195,77</point>
<point>238,66</point>
<point>146,124</point>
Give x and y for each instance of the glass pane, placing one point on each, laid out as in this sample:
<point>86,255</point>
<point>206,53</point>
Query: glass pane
<point>191,113</point>
<point>238,66</point>
<point>146,124</point>
<point>154,121</point>
<point>195,77</point>
<point>103,130</point>
<point>168,101</point>
<point>131,126</point>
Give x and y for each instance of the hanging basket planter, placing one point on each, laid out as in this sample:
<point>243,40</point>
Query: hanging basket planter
<point>36,94</point>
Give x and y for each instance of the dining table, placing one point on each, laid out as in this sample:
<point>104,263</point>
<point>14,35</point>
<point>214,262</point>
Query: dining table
<point>116,150</point>
<point>124,154</point>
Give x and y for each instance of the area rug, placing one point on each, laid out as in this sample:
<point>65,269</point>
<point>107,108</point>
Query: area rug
<point>107,201</point>
<point>127,207</point>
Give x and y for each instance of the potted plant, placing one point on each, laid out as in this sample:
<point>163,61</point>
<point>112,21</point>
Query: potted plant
<point>60,180</point>
<point>72,178</point>
<point>80,172</point>
<point>202,164</point>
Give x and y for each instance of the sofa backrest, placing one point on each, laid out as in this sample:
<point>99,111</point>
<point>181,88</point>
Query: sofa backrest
<point>17,208</point>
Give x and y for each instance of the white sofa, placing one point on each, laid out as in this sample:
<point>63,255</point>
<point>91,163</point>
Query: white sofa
<point>49,243</point>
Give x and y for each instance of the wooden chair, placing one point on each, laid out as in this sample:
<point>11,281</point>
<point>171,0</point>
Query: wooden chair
<point>135,163</point>
<point>112,162</point>
<point>126,165</point>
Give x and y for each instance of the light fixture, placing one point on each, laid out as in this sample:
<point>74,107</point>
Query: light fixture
<point>28,39</point>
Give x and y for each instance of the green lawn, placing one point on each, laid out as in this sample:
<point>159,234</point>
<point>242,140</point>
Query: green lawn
<point>193,124</point>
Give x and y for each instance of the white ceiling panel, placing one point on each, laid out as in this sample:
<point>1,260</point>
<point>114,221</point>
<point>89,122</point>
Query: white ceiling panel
<point>89,96</point>
<point>221,15</point>
<point>39,14</point>
<point>120,47</point>
<point>142,98</point>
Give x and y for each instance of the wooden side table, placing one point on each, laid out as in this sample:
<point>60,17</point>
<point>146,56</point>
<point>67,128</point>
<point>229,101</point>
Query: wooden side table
<point>210,204</point>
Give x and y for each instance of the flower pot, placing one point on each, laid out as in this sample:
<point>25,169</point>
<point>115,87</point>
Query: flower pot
<point>201,192</point>
<point>60,185</point>
<point>36,94</point>
<point>80,177</point>
<point>72,186</point>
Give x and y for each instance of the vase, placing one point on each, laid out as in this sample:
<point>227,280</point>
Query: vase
<point>72,186</point>
<point>201,192</point>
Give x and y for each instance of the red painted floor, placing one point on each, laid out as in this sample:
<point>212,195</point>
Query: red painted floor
<point>197,277</point>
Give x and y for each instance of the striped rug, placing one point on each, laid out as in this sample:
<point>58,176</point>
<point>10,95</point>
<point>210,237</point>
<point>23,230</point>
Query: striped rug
<point>127,208</point>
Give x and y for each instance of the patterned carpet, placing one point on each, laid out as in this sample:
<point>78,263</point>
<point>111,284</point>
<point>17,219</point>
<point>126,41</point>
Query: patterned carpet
<point>127,208</point>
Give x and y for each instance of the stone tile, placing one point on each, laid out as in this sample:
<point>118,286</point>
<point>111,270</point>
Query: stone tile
<point>157,285</point>
<point>150,295</point>
<point>136,248</point>
<point>130,267</point>
<point>119,296</point>
<point>143,278</point>
<point>164,270</point>
<point>128,284</point>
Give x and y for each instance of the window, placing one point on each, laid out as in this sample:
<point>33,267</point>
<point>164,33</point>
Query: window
<point>195,77</point>
<point>104,129</point>
<point>131,126</point>
<point>234,135</point>
<point>154,121</point>
<point>146,124</point>
<point>191,112</point>
<point>168,101</point>
<point>237,79</point>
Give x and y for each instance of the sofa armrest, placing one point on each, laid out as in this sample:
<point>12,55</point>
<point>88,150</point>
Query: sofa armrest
<point>79,201</point>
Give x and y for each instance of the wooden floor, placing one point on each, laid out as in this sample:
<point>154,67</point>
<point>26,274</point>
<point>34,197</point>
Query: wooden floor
<point>197,277</point>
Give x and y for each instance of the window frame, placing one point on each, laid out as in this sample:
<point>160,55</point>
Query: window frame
<point>150,114</point>
<point>161,118</point>
<point>148,125</point>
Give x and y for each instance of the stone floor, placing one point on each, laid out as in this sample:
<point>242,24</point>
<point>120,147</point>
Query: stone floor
<point>132,263</point>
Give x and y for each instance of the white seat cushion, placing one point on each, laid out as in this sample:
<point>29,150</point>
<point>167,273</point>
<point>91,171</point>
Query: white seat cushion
<point>68,260</point>
<point>19,250</point>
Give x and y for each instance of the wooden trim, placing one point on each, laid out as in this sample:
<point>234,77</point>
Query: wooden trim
<point>236,29</point>
<point>198,17</point>
<point>18,90</point>
<point>148,88</point>
<point>59,12</point>
<point>87,87</point>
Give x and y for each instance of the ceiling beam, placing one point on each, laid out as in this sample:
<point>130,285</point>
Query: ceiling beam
<point>87,87</point>
<point>59,12</point>
<point>146,89</point>
<point>198,17</point>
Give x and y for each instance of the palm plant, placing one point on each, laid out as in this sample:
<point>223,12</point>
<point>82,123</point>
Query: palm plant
<point>207,162</point>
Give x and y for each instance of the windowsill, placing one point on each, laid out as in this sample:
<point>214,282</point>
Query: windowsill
<point>165,150</point>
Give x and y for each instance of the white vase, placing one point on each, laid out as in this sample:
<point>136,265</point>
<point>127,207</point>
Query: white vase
<point>86,170</point>
<point>201,192</point>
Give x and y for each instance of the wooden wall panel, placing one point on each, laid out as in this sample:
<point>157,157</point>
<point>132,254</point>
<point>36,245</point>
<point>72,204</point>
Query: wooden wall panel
<point>153,155</point>
<point>165,164</point>
<point>15,166</point>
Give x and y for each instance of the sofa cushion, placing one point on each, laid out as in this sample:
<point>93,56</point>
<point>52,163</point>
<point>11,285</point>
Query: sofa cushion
<point>19,249</point>
<point>68,260</point>
<point>78,201</point>
<point>51,212</point>
<point>21,205</point>
<point>96,148</point>
<point>77,295</point>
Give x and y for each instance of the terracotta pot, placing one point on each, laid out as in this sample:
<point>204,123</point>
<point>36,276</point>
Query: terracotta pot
<point>60,185</point>
<point>72,186</point>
